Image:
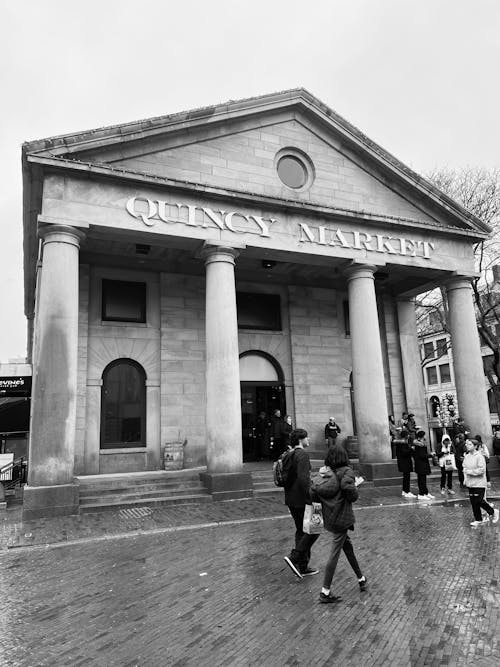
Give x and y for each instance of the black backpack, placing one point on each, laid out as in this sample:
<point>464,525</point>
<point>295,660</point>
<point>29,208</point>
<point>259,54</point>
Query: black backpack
<point>283,469</point>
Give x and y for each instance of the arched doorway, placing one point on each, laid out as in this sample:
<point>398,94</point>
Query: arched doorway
<point>123,405</point>
<point>262,391</point>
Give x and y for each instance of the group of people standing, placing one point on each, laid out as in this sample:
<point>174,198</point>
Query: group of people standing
<point>271,435</point>
<point>456,451</point>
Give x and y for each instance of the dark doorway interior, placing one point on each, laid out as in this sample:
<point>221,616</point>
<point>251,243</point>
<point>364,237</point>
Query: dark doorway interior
<point>258,397</point>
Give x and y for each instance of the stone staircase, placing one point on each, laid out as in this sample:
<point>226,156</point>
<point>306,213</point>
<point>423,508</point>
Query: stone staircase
<point>162,487</point>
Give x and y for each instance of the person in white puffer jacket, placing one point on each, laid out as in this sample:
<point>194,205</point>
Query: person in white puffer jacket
<point>475,480</point>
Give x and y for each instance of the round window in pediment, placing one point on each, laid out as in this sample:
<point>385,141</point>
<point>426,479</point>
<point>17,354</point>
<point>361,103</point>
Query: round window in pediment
<point>294,169</point>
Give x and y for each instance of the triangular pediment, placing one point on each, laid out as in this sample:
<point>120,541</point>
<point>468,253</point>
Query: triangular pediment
<point>236,147</point>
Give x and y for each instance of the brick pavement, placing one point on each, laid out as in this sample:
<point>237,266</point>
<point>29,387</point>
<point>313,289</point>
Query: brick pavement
<point>221,594</point>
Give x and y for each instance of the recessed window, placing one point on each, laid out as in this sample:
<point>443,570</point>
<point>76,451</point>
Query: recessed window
<point>432,376</point>
<point>294,168</point>
<point>428,351</point>
<point>444,372</point>
<point>123,301</point>
<point>441,346</point>
<point>258,311</point>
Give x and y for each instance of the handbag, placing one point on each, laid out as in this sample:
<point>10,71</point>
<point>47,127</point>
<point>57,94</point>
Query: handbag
<point>449,462</point>
<point>313,519</point>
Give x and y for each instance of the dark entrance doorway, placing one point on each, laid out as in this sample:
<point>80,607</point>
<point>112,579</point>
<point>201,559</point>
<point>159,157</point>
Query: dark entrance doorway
<point>258,398</point>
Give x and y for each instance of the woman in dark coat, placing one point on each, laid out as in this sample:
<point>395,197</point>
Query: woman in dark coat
<point>422,467</point>
<point>405,461</point>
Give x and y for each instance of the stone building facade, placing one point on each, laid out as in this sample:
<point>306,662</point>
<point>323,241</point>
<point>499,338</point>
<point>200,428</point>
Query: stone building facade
<point>185,271</point>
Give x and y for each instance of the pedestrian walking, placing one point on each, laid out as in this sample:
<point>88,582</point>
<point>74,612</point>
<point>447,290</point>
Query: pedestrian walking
<point>475,480</point>
<point>335,487</point>
<point>421,458</point>
<point>297,496</point>
<point>332,430</point>
<point>443,449</point>
<point>485,452</point>
<point>405,461</point>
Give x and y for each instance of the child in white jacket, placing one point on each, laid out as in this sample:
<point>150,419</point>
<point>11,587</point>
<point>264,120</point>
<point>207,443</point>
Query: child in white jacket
<point>475,480</point>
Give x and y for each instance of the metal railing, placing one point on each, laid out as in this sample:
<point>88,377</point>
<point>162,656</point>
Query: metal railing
<point>14,473</point>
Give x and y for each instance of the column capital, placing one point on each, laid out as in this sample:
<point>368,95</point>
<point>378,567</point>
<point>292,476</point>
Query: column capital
<point>61,234</point>
<point>213,251</point>
<point>459,282</point>
<point>360,271</point>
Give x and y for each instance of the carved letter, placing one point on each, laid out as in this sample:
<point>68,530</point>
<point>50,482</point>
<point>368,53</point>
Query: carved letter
<point>358,241</point>
<point>428,246</point>
<point>191,214</point>
<point>383,244</point>
<point>264,226</point>
<point>218,219</point>
<point>147,218</point>
<point>339,235</point>
<point>304,230</point>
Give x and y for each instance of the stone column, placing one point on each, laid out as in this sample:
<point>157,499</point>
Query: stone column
<point>367,370</point>
<point>223,402</point>
<point>410,357</point>
<point>51,489</point>
<point>467,360</point>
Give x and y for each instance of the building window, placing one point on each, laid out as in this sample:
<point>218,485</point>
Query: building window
<point>441,347</point>
<point>123,405</point>
<point>258,311</point>
<point>429,350</point>
<point>295,169</point>
<point>444,372</point>
<point>432,376</point>
<point>123,301</point>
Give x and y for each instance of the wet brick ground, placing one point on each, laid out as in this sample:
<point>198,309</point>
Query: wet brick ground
<point>207,585</point>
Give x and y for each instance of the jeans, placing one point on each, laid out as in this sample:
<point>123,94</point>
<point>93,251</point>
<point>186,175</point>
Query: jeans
<point>476,497</point>
<point>422,484</point>
<point>341,541</point>
<point>301,553</point>
<point>446,477</point>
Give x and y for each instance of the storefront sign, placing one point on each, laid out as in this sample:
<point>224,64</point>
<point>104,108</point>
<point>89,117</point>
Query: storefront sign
<point>151,211</point>
<point>15,386</point>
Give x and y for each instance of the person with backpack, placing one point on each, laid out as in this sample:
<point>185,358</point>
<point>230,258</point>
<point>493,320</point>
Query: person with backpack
<point>332,430</point>
<point>296,472</point>
<point>336,488</point>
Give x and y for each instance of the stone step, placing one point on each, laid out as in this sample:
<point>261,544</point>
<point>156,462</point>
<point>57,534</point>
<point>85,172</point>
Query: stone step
<point>145,487</point>
<point>139,494</point>
<point>103,506</point>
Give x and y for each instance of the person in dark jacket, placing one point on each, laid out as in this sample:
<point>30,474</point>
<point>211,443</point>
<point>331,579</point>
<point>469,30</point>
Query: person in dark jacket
<point>287,431</point>
<point>459,457</point>
<point>405,461</point>
<point>335,487</point>
<point>297,496</point>
<point>276,433</point>
<point>332,430</point>
<point>421,457</point>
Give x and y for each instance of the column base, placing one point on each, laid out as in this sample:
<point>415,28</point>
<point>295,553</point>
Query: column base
<point>381,474</point>
<point>228,485</point>
<point>50,501</point>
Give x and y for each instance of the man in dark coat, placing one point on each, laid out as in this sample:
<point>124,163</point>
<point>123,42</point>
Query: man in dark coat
<point>276,433</point>
<point>422,468</point>
<point>332,429</point>
<point>297,496</point>
<point>405,461</point>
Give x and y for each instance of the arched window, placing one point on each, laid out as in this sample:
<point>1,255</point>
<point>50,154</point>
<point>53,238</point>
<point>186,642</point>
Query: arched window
<point>434,404</point>
<point>123,405</point>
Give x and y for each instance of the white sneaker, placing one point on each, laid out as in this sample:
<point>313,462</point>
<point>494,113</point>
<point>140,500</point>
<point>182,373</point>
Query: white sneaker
<point>404,494</point>
<point>419,497</point>
<point>475,524</point>
<point>429,496</point>
<point>451,492</point>
<point>443,492</point>
<point>496,515</point>
<point>410,495</point>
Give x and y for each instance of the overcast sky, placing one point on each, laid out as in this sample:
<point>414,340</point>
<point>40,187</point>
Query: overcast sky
<point>421,78</point>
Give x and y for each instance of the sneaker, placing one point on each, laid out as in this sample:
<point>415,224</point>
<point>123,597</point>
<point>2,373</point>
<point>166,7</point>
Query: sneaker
<point>410,495</point>
<point>308,571</point>
<point>362,583</point>
<point>329,598</point>
<point>488,485</point>
<point>474,524</point>
<point>496,515</point>
<point>293,567</point>
<point>451,492</point>
<point>443,492</point>
<point>429,496</point>
<point>420,497</point>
